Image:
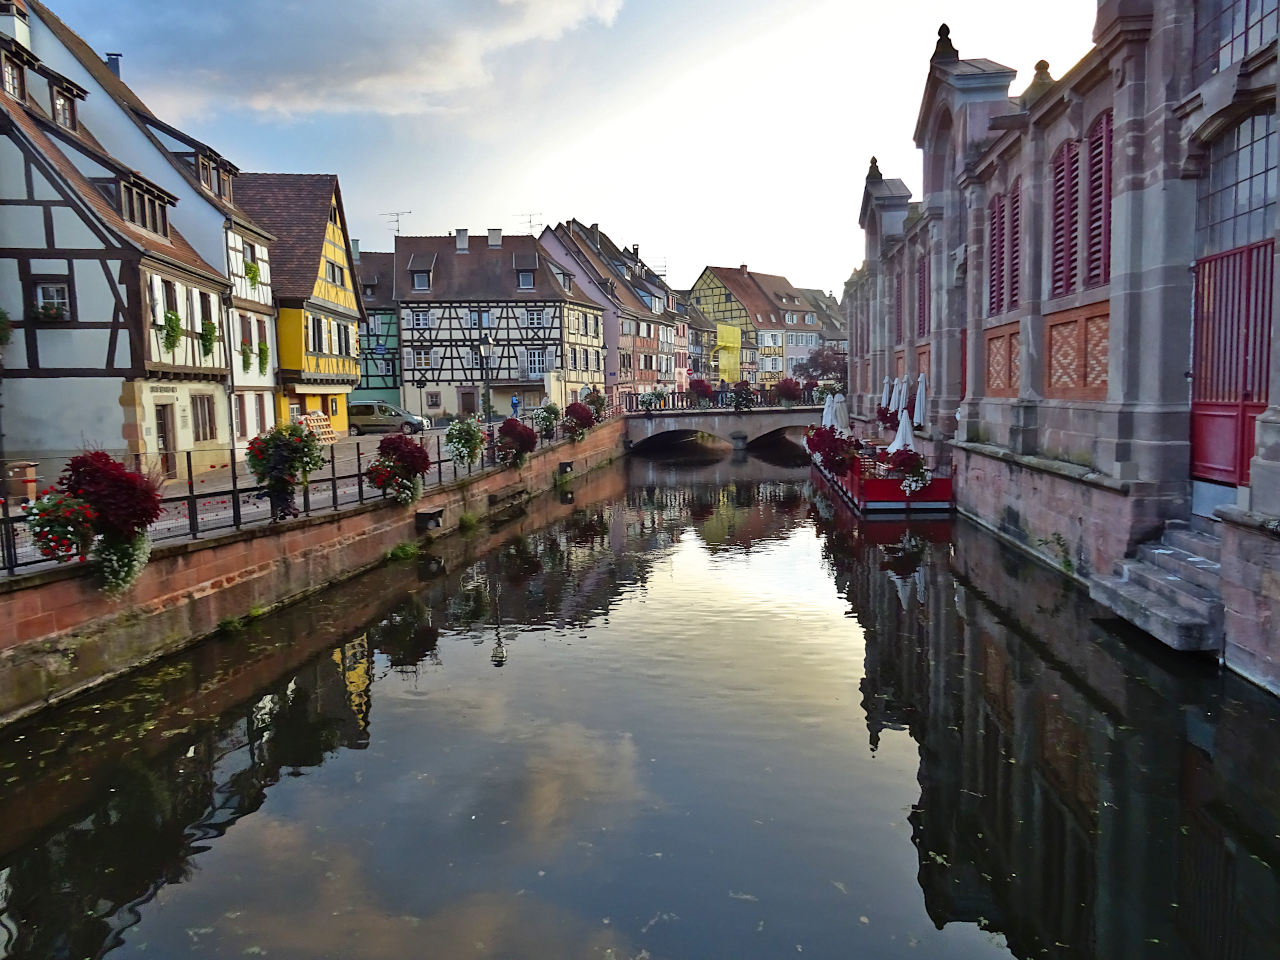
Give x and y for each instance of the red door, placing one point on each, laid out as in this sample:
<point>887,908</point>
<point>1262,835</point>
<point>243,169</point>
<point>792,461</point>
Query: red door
<point>1231,360</point>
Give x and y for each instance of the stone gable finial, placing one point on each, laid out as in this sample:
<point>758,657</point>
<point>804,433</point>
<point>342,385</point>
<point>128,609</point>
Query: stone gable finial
<point>874,172</point>
<point>1041,82</point>
<point>945,50</point>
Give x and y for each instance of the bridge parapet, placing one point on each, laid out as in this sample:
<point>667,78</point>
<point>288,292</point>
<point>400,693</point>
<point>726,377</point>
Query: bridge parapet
<point>739,428</point>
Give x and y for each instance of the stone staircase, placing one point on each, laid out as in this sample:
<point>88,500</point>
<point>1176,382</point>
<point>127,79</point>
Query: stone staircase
<point>1172,588</point>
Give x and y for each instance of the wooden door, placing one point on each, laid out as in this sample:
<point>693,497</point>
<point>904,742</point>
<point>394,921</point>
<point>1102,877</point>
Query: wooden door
<point>164,440</point>
<point>1230,360</point>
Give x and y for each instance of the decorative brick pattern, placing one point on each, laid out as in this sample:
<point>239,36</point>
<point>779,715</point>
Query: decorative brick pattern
<point>1097,351</point>
<point>1003,364</point>
<point>1064,356</point>
<point>997,365</point>
<point>922,360</point>
<point>1079,348</point>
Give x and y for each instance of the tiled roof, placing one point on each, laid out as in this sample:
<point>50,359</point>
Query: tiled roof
<point>483,272</point>
<point>782,294</point>
<point>584,239</point>
<point>133,106</point>
<point>378,270</point>
<point>174,247</point>
<point>295,208</point>
<point>747,292</point>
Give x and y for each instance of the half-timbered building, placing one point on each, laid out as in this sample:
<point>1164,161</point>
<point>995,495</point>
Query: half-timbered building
<point>380,333</point>
<point>545,334</point>
<point>318,312</point>
<point>202,184</point>
<point>117,334</point>
<point>1107,407</point>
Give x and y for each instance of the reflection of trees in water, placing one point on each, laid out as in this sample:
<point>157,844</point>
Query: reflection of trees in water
<point>75,892</point>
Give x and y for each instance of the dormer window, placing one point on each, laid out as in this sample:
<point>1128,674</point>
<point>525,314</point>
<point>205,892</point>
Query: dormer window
<point>526,280</point>
<point>224,185</point>
<point>250,253</point>
<point>64,110</point>
<point>368,292</point>
<point>422,280</point>
<point>14,79</point>
<point>206,174</point>
<point>144,211</point>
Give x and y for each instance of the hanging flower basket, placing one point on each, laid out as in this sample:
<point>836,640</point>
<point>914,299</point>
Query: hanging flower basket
<point>546,418</point>
<point>464,440</point>
<point>514,443</point>
<point>280,459</point>
<point>399,467</point>
<point>264,356</point>
<point>172,335</point>
<point>208,337</point>
<point>578,419</point>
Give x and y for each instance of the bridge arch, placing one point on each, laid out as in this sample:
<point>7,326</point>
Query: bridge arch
<point>739,429</point>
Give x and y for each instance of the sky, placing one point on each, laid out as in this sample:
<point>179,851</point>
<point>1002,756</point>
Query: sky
<point>707,131</point>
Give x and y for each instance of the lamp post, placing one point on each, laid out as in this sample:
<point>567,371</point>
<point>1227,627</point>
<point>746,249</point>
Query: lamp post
<point>486,351</point>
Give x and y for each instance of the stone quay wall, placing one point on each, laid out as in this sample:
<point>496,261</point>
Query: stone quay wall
<point>62,635</point>
<point>1251,595</point>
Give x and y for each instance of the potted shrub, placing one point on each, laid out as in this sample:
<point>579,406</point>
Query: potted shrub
<point>700,392</point>
<point>61,525</point>
<point>651,400</point>
<point>399,467</point>
<point>911,467</point>
<point>546,418</point>
<point>280,459</point>
<point>464,440</point>
<point>208,337</point>
<point>789,391</point>
<point>514,443</point>
<point>578,419</point>
<point>172,335</point>
<point>123,504</point>
<point>596,402</point>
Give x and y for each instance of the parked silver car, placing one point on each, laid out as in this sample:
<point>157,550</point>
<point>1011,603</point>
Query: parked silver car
<point>381,417</point>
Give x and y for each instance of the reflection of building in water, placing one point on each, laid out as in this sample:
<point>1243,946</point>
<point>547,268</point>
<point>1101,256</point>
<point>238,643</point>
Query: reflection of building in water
<point>1076,797</point>
<point>75,894</point>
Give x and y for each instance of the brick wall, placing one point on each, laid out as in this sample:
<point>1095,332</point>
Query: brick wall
<point>62,634</point>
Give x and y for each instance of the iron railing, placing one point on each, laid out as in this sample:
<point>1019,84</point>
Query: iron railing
<point>719,400</point>
<point>229,498</point>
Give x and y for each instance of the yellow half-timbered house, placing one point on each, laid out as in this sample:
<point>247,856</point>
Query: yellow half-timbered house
<point>319,312</point>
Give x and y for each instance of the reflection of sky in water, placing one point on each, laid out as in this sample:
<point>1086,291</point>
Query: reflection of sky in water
<point>689,775</point>
<point>674,761</point>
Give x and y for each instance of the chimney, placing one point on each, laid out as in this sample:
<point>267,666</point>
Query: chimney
<point>495,238</point>
<point>743,268</point>
<point>463,245</point>
<point>355,249</point>
<point>595,235</point>
<point>112,61</point>
<point>636,251</point>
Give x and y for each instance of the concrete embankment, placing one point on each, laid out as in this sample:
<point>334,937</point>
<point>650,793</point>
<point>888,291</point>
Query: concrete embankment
<point>61,635</point>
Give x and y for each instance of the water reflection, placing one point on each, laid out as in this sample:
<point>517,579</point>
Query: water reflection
<point>730,720</point>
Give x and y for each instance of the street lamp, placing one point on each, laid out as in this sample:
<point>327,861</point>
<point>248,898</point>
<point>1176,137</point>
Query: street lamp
<point>486,351</point>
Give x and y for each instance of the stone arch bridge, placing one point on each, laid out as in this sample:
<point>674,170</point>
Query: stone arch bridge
<point>740,429</point>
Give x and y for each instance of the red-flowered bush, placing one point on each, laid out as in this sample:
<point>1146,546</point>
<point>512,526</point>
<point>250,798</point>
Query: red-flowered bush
<point>789,390</point>
<point>578,419</point>
<point>701,389</point>
<point>515,442</point>
<point>408,452</point>
<point>126,503</point>
<point>888,418</point>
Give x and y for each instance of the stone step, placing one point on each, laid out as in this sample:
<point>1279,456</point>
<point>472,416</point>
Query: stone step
<point>1166,621</point>
<point>1197,570</point>
<point>1196,544</point>
<point>1169,586</point>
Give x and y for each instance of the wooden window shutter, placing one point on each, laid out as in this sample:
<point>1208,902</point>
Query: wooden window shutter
<point>1098,257</point>
<point>1014,245</point>
<point>1065,219</point>
<point>995,256</point>
<point>406,357</point>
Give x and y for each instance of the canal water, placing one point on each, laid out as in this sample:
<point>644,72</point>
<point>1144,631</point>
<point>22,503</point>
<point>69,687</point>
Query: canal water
<point>690,709</point>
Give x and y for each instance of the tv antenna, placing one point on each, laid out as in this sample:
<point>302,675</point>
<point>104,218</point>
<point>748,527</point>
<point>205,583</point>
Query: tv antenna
<point>529,219</point>
<point>395,218</point>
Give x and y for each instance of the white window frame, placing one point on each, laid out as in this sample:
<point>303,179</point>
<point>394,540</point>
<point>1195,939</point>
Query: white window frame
<point>420,274</point>
<point>536,360</point>
<point>47,293</point>
<point>521,277</point>
<point>534,318</point>
<point>421,320</point>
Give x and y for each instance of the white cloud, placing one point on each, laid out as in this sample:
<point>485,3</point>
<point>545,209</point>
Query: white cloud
<point>296,59</point>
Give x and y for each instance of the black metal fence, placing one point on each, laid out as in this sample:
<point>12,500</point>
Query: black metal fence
<point>229,497</point>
